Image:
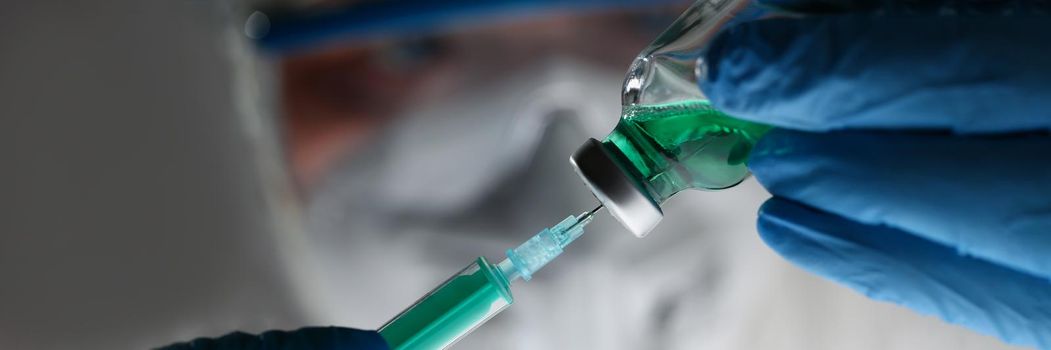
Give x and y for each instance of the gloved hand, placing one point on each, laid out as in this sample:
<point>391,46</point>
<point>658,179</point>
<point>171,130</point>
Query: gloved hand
<point>912,161</point>
<point>309,338</point>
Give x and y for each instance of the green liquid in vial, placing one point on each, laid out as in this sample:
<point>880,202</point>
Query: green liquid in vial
<point>450,311</point>
<point>677,146</point>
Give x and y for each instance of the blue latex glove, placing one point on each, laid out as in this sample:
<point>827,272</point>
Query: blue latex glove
<point>913,159</point>
<point>309,338</point>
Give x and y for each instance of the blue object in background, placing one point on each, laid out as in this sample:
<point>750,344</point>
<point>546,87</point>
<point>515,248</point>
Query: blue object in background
<point>913,162</point>
<point>309,338</point>
<point>292,32</point>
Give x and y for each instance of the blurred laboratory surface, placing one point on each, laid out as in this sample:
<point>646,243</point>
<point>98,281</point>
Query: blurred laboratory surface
<point>170,175</point>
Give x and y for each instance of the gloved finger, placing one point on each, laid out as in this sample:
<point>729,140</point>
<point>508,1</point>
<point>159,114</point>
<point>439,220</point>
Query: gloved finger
<point>985,196</point>
<point>890,265</point>
<point>307,338</point>
<point>968,73</point>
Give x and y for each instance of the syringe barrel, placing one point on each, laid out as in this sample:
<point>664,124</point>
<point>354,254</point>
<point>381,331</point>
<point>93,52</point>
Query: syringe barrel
<point>451,311</point>
<point>478,292</point>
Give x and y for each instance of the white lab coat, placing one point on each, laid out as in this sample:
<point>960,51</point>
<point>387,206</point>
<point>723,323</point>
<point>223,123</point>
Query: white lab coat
<point>145,203</point>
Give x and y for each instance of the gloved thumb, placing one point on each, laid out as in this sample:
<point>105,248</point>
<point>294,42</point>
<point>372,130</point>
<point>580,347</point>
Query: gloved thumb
<point>891,265</point>
<point>307,338</point>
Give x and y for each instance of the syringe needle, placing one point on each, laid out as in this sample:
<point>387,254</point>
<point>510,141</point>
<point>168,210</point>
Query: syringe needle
<point>540,249</point>
<point>593,211</point>
<point>585,217</point>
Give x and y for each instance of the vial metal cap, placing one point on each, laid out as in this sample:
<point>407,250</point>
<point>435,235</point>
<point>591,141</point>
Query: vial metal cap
<point>614,187</point>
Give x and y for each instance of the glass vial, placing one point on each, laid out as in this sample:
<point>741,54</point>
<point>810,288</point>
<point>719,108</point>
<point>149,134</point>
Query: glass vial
<point>669,137</point>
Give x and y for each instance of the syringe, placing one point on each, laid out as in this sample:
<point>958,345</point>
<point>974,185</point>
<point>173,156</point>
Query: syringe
<point>478,292</point>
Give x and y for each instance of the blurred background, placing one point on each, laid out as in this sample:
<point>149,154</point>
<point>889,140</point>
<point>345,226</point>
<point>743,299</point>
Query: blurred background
<point>178,169</point>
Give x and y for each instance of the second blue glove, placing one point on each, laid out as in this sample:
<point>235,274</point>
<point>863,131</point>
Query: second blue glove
<point>913,160</point>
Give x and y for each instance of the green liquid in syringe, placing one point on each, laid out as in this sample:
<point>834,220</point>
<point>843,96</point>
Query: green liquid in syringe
<point>478,292</point>
<point>683,145</point>
<point>456,307</point>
